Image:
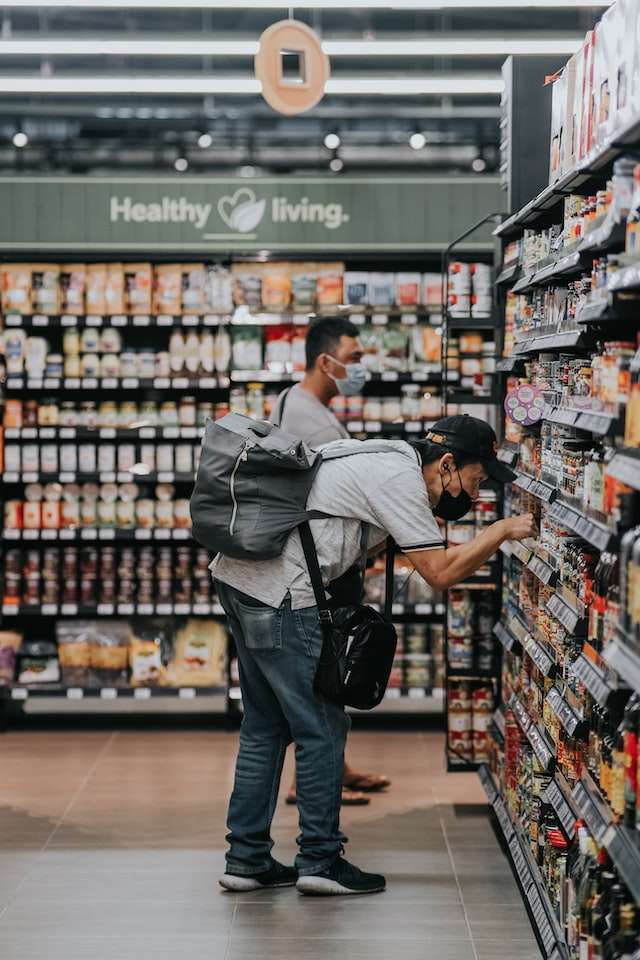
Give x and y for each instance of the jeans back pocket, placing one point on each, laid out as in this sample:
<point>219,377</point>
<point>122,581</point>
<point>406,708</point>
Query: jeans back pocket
<point>261,626</point>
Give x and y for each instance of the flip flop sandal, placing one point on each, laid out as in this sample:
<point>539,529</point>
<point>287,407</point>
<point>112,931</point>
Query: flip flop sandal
<point>368,783</point>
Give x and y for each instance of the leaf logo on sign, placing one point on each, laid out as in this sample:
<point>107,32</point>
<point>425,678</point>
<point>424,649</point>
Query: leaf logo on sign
<point>242,212</point>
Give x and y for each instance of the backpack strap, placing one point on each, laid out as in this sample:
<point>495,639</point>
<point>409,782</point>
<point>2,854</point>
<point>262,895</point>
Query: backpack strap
<point>277,420</point>
<point>311,556</point>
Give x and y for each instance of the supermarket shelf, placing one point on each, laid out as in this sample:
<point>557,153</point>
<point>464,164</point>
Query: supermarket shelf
<point>540,656</point>
<point>523,283</point>
<point>103,433</point>
<point>542,570</point>
<point>564,267</point>
<point>113,610</point>
<point>558,795</point>
<point>572,618</point>
<point>591,421</point>
<point>608,237</point>
<point>407,701</point>
<point>527,874</point>
<point>624,659</point>
<point>538,488</point>
<point>513,548</point>
<point>572,519</point>
<point>625,466</point>
<point>508,274</point>
<point>506,638</point>
<point>507,364</point>
<point>627,278</point>
<point>114,384</point>
<point>537,739</point>
<point>471,323</point>
<point>125,476</point>
<point>570,720</point>
<point>17,692</point>
<point>621,843</point>
<point>378,426</point>
<point>597,680</point>
<point>96,533</point>
<point>499,722</point>
<point>591,807</point>
<point>122,320</point>
<point>551,341</point>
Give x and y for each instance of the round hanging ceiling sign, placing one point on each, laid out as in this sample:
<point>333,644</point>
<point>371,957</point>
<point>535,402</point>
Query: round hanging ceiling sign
<point>292,67</point>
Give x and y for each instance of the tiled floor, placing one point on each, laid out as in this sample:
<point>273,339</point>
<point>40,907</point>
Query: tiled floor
<point>111,845</point>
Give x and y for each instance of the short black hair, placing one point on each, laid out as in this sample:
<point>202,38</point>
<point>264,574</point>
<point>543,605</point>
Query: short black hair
<point>324,335</point>
<point>430,452</point>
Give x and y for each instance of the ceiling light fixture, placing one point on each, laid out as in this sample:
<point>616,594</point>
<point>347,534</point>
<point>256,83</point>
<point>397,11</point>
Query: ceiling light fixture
<point>332,141</point>
<point>20,139</point>
<point>205,140</point>
<point>450,84</point>
<point>417,141</point>
<point>478,165</point>
<point>336,164</point>
<point>314,4</point>
<point>181,164</point>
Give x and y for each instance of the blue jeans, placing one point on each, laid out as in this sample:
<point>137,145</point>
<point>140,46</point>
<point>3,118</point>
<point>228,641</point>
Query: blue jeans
<point>278,651</point>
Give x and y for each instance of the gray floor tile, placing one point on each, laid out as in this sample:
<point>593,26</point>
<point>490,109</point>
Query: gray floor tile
<point>347,919</point>
<point>507,949</point>
<point>36,946</point>
<point>350,950</point>
<point>110,918</point>
<point>508,920</point>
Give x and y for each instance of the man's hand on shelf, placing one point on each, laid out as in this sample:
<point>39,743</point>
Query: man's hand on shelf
<point>520,527</point>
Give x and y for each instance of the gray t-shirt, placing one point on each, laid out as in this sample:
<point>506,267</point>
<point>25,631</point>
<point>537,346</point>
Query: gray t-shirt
<point>308,419</point>
<point>384,489</point>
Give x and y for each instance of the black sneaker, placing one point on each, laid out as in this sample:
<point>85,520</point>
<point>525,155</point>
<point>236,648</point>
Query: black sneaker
<point>340,879</point>
<point>277,876</point>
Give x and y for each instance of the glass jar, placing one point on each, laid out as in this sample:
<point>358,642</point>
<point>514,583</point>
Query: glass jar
<point>168,414</point>
<point>410,401</point>
<point>255,400</point>
<point>187,412</point>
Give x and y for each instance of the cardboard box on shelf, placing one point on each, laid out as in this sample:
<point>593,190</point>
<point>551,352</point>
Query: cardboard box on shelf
<point>567,157</point>
<point>558,104</point>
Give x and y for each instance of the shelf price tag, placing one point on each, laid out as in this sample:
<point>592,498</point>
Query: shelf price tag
<point>389,376</point>
<point>75,693</point>
<point>49,609</point>
<point>145,609</point>
<point>108,693</point>
<point>141,320</point>
<point>93,321</point>
<point>190,320</point>
<point>130,383</point>
<point>69,609</point>
<point>187,693</point>
<point>141,534</point>
<point>161,383</point>
<point>142,693</point>
<point>105,609</point>
<point>19,694</point>
<point>164,320</point>
<point>379,319</point>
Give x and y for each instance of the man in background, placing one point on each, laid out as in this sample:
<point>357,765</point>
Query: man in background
<point>333,366</point>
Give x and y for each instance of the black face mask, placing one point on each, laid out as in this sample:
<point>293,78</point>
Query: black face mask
<point>453,508</point>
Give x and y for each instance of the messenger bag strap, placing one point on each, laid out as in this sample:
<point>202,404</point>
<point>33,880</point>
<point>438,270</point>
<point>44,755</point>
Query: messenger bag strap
<point>311,556</point>
<point>388,579</point>
<point>277,420</point>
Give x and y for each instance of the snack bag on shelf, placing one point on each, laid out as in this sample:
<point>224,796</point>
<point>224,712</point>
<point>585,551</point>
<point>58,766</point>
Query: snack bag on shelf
<point>277,348</point>
<point>199,656</point>
<point>585,92</point>
<point>115,289</point>
<point>137,288</point>
<point>110,653</point>
<point>395,342</point>
<point>247,284</point>
<point>96,288</point>
<point>149,644</point>
<point>167,289</point>
<point>276,286</point>
<point>431,290</point>
<point>72,288</point>
<point>356,288</point>
<point>194,287</point>
<point>408,289</point>
<point>38,663</point>
<point>382,289</point>
<point>304,278</point>
<point>329,289</point>
<point>247,348</point>
<point>74,651</point>
<point>16,288</point>
<point>220,289</point>
<point>10,643</point>
<point>298,348</point>
<point>372,340</point>
<point>605,79</point>
<point>45,288</point>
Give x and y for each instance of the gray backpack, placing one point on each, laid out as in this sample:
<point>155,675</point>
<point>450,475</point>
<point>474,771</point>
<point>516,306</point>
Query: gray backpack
<point>253,483</point>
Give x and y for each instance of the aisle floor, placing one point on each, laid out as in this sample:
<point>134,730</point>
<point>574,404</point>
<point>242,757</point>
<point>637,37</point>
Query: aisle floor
<point>111,845</point>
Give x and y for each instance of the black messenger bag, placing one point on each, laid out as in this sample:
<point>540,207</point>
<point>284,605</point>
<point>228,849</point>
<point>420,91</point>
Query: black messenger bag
<point>358,643</point>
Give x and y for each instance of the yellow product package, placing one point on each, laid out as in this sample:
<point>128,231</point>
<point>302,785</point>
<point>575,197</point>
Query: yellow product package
<point>200,654</point>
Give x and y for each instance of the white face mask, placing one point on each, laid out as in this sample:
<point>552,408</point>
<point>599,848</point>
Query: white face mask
<point>354,381</point>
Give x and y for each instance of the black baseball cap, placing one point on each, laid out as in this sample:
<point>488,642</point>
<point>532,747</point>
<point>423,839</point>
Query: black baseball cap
<point>474,438</point>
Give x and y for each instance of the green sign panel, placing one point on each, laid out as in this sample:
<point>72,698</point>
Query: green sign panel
<point>213,214</point>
